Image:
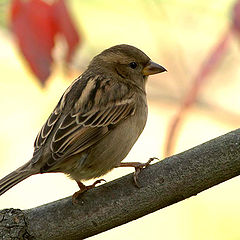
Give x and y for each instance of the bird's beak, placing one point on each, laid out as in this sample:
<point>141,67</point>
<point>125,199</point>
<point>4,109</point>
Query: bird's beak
<point>153,68</point>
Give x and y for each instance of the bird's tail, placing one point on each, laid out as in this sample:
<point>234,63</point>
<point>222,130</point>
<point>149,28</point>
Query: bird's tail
<point>16,176</point>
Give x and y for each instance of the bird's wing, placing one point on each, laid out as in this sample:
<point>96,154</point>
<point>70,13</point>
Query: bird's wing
<point>99,108</point>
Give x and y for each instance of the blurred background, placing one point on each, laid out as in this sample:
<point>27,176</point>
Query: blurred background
<point>195,101</point>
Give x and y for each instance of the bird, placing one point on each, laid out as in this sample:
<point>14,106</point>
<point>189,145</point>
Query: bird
<point>96,122</point>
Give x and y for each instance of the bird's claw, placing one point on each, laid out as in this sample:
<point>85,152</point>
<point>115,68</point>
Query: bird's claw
<point>139,168</point>
<point>95,183</point>
<point>84,188</point>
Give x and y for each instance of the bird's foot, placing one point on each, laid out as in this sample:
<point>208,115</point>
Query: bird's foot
<point>84,188</point>
<point>138,168</point>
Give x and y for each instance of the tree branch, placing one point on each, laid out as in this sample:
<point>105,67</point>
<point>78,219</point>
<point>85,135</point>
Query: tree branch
<point>118,202</point>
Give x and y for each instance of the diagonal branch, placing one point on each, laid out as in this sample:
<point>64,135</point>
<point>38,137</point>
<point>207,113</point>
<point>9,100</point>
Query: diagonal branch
<point>118,202</point>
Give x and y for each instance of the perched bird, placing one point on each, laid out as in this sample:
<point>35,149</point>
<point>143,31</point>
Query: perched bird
<point>96,122</point>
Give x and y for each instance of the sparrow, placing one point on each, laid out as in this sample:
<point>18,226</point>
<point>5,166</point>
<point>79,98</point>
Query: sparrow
<point>96,121</point>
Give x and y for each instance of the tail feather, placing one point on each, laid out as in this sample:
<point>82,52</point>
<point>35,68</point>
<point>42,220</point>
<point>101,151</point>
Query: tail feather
<point>16,176</point>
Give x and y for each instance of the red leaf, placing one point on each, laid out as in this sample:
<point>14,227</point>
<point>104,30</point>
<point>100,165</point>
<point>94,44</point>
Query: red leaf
<point>35,24</point>
<point>206,69</point>
<point>236,16</point>
<point>34,29</point>
<point>65,26</point>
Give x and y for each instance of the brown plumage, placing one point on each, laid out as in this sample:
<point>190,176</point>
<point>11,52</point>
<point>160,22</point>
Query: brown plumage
<point>97,120</point>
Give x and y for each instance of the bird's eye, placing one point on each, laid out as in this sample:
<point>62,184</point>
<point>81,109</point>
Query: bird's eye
<point>133,65</point>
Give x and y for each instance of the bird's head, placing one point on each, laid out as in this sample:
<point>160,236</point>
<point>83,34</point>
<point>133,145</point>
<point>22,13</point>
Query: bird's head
<point>127,62</point>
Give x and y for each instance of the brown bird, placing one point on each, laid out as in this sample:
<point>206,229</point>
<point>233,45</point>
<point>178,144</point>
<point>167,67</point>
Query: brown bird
<point>96,122</point>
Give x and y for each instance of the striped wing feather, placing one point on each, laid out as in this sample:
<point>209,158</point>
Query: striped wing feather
<point>86,129</point>
<point>80,129</point>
